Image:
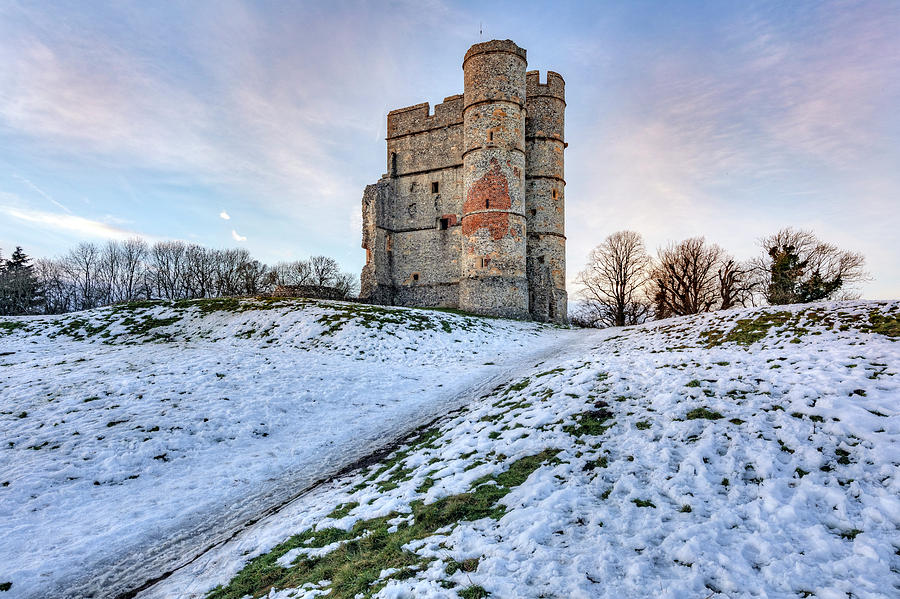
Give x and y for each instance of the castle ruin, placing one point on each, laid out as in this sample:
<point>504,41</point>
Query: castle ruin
<point>470,214</point>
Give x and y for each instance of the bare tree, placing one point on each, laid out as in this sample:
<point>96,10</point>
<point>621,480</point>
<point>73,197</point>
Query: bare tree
<point>347,283</point>
<point>167,266</point>
<point>200,279</point>
<point>324,270</point>
<point>736,283</point>
<point>685,280</point>
<point>81,264</point>
<point>251,274</point>
<point>613,281</point>
<point>298,272</point>
<point>109,273</point>
<point>134,252</point>
<point>59,293</point>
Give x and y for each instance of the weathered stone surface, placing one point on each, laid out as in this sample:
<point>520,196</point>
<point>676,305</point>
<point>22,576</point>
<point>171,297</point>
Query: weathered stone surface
<point>470,213</point>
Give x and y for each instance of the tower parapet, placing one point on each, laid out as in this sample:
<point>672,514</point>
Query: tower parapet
<point>492,270</point>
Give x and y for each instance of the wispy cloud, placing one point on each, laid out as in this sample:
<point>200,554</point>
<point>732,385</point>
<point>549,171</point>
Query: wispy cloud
<point>69,223</point>
<point>224,215</point>
<point>236,237</point>
<point>42,193</point>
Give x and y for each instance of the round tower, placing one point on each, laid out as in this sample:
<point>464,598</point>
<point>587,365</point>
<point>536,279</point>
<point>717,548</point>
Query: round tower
<point>544,197</point>
<point>493,277</point>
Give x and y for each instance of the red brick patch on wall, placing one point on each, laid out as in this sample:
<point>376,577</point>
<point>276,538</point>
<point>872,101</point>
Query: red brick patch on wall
<point>491,191</point>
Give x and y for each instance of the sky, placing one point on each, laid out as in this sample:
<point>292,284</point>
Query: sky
<point>258,124</point>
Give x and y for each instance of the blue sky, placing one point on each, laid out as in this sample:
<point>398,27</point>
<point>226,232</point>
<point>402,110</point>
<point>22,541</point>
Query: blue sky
<point>723,119</point>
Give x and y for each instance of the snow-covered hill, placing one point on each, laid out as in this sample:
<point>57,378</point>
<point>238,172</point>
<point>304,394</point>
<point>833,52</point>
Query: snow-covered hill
<point>751,453</point>
<point>133,437</point>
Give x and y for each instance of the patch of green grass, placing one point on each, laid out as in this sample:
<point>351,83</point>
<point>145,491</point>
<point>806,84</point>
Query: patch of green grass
<point>5,586</point>
<point>685,509</point>
<point>601,462</point>
<point>591,423</point>
<point>843,456</point>
<point>642,425</point>
<point>473,592</point>
<point>342,510</point>
<point>467,565</point>
<point>549,372</point>
<point>517,386</point>
<point>426,484</point>
<point>8,326</point>
<point>643,503</point>
<point>850,534</point>
<point>698,413</point>
<point>693,383</point>
<point>884,324</point>
<point>748,331</point>
<point>368,548</point>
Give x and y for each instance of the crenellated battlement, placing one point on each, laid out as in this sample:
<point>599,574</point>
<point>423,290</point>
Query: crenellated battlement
<point>554,87</point>
<point>418,118</point>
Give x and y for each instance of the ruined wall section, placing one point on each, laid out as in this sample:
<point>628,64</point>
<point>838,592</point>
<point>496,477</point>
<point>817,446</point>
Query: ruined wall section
<point>545,197</point>
<point>417,245</point>
<point>493,279</point>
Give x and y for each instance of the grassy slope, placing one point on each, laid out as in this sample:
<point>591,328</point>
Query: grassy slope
<point>735,453</point>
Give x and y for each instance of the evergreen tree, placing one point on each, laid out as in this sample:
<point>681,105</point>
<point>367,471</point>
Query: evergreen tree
<point>817,288</point>
<point>19,286</point>
<point>787,270</point>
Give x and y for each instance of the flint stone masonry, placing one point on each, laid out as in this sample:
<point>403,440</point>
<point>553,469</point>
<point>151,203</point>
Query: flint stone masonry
<point>471,211</point>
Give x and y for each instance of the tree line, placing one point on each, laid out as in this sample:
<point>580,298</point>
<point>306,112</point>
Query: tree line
<point>92,275</point>
<point>622,284</point>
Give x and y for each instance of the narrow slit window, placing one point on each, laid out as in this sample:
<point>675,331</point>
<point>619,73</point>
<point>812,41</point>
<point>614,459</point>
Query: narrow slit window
<point>487,204</point>
<point>490,136</point>
<point>435,186</point>
<point>483,262</point>
<point>554,194</point>
<point>445,224</point>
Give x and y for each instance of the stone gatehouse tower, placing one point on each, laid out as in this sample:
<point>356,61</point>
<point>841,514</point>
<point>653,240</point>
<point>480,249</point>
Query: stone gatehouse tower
<point>470,214</point>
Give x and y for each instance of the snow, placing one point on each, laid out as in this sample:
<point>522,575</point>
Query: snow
<point>133,438</point>
<point>712,456</point>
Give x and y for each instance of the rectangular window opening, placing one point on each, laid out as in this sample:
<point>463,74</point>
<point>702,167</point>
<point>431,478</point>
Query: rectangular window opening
<point>435,186</point>
<point>534,212</point>
<point>445,224</point>
<point>540,259</point>
<point>415,276</point>
<point>484,262</point>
